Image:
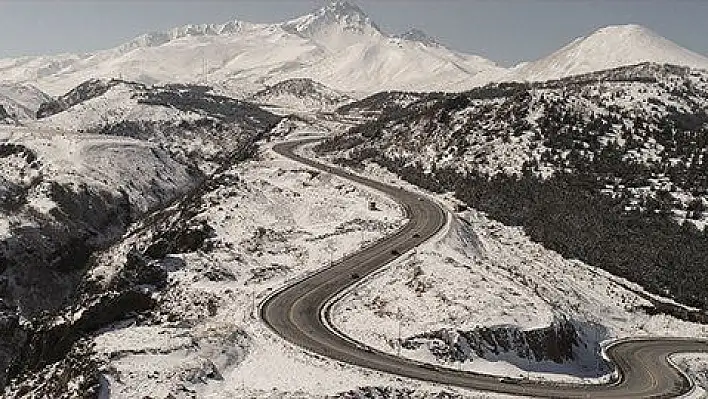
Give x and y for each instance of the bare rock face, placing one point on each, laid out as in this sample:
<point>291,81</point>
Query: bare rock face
<point>390,393</point>
<point>561,342</point>
<point>3,114</point>
<point>75,376</point>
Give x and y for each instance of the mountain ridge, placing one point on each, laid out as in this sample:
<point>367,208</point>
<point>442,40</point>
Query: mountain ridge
<point>338,45</point>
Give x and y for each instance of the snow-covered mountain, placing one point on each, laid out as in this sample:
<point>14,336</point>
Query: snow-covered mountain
<point>337,45</point>
<point>332,22</point>
<point>608,48</point>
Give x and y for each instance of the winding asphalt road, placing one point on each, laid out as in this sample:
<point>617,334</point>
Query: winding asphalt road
<point>300,314</point>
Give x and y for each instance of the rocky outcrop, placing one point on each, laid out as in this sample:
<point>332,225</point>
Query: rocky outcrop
<point>391,393</point>
<point>75,376</point>
<point>561,342</point>
<point>3,114</point>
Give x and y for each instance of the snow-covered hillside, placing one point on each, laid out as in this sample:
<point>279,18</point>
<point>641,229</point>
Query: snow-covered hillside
<point>337,45</point>
<point>480,279</point>
<point>300,95</point>
<point>620,152</point>
<point>206,262</point>
<point>190,121</point>
<point>63,195</point>
<point>21,101</point>
<point>98,102</point>
<point>552,127</point>
<point>66,192</point>
<point>608,48</point>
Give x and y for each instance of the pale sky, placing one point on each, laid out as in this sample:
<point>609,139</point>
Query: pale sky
<point>505,31</point>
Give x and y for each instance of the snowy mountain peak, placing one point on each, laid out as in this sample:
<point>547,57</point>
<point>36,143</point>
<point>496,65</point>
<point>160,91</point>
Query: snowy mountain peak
<point>417,35</point>
<point>341,15</point>
<point>607,48</point>
<point>337,45</point>
<point>636,34</point>
<point>627,29</point>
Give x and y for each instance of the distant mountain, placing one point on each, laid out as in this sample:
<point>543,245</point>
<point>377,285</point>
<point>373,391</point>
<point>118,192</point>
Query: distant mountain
<point>300,95</point>
<point>337,45</point>
<point>607,48</point>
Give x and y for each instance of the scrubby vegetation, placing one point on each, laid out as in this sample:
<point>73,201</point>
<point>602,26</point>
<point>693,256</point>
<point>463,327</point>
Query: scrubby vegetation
<point>610,168</point>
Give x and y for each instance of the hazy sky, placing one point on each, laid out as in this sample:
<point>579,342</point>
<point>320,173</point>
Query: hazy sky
<point>506,31</point>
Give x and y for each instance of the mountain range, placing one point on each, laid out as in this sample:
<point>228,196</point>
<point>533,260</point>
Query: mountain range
<point>338,46</point>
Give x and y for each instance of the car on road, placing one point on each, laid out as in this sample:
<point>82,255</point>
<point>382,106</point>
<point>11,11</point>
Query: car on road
<point>395,252</point>
<point>416,235</point>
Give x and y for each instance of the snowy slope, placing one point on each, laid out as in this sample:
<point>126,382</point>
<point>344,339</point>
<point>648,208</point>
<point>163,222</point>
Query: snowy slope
<point>300,95</point>
<point>607,48</point>
<point>21,100</point>
<point>62,195</point>
<point>194,124</point>
<point>634,137</point>
<point>119,102</point>
<point>337,45</point>
<point>107,163</point>
<point>501,129</point>
<point>272,221</point>
<point>478,273</point>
